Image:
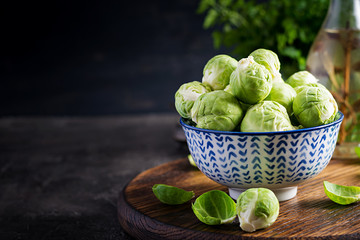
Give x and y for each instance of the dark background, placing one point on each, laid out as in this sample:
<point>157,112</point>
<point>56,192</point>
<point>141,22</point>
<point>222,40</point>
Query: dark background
<point>60,177</point>
<point>67,58</point>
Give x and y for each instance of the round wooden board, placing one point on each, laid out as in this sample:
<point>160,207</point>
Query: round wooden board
<point>310,215</point>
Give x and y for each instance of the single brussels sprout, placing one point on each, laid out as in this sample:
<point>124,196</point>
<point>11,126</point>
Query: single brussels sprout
<point>269,60</point>
<point>282,93</point>
<point>266,116</point>
<point>244,106</point>
<point>314,106</point>
<point>217,110</point>
<point>186,95</point>
<point>217,71</point>
<point>301,78</point>
<point>300,88</point>
<point>257,208</point>
<point>250,82</point>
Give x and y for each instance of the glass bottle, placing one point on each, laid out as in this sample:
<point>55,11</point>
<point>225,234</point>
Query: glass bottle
<point>334,58</point>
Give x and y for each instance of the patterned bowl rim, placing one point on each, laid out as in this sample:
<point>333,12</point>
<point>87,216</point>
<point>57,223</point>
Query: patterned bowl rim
<point>339,120</point>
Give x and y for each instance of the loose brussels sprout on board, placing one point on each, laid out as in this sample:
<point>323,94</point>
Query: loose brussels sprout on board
<point>266,116</point>
<point>217,110</point>
<point>257,208</point>
<point>314,106</point>
<point>250,82</point>
<point>217,71</point>
<point>186,96</point>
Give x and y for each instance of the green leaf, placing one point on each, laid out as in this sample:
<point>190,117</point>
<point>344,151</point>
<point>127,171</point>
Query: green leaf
<point>217,39</point>
<point>304,37</point>
<point>302,63</point>
<point>214,207</point>
<point>291,52</point>
<point>245,25</point>
<point>340,194</point>
<point>281,41</point>
<point>204,5</point>
<point>191,160</point>
<point>171,195</point>
<point>357,151</point>
<point>290,29</point>
<point>210,18</point>
<point>227,28</point>
<point>225,3</point>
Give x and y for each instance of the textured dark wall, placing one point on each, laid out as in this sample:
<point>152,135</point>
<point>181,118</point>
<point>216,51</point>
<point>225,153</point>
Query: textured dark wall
<point>99,57</point>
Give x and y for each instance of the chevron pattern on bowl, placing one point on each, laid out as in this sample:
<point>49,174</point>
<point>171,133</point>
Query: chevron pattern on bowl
<point>274,160</point>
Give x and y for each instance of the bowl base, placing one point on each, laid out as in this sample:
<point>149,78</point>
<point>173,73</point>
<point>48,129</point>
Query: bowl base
<point>282,194</point>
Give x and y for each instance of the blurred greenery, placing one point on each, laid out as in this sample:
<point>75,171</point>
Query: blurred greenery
<point>286,27</point>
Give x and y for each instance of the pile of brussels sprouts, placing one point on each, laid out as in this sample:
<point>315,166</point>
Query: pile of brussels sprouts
<point>250,96</point>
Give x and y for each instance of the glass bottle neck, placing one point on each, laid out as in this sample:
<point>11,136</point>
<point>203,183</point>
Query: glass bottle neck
<point>343,14</point>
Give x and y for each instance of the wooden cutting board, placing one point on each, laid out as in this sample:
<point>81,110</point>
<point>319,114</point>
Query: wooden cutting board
<point>309,215</point>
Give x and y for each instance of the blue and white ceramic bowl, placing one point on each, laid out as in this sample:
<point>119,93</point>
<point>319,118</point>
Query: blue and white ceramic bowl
<point>275,160</point>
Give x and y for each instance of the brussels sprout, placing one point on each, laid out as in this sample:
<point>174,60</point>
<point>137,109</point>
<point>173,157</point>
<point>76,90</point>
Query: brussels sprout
<point>269,60</point>
<point>186,95</point>
<point>250,82</point>
<point>266,116</point>
<point>314,106</point>
<point>282,93</point>
<point>217,71</point>
<point>244,106</point>
<point>301,78</point>
<point>257,208</point>
<point>300,88</point>
<point>217,110</point>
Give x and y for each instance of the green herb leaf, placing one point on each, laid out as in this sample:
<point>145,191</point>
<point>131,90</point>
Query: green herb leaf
<point>272,24</point>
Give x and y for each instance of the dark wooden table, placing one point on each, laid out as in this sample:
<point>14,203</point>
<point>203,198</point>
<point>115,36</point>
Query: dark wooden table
<point>60,177</point>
